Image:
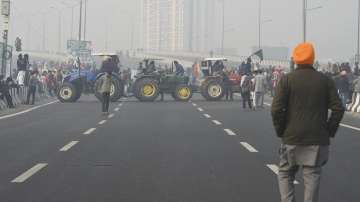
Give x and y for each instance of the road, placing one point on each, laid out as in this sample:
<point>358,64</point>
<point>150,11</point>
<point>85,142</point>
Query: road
<point>157,152</point>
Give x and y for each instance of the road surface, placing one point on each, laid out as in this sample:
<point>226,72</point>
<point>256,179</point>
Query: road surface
<point>157,152</point>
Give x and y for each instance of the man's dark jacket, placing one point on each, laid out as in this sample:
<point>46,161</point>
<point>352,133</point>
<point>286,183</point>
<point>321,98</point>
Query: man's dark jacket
<point>301,105</point>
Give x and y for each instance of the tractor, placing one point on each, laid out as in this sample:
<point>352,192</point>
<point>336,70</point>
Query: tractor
<point>212,88</point>
<point>150,83</point>
<point>87,81</point>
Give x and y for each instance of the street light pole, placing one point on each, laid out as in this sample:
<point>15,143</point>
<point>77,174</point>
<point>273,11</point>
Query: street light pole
<point>304,19</point>
<point>223,28</point>
<point>259,21</point>
<point>85,19</point>
<point>358,42</point>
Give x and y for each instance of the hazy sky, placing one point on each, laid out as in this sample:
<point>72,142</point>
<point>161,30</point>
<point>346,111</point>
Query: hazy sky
<point>332,29</point>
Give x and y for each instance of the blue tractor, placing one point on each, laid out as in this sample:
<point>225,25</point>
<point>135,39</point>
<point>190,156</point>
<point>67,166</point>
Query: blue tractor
<point>87,81</point>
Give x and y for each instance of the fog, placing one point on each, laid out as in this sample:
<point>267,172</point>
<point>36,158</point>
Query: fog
<point>333,28</point>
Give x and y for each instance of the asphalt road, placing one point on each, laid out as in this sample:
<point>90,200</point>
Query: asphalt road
<point>157,152</point>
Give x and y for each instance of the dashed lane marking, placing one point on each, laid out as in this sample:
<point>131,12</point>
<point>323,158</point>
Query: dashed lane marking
<point>121,104</point>
<point>217,122</point>
<point>26,111</point>
<point>26,175</point>
<point>351,127</point>
<point>229,132</point>
<point>275,169</point>
<point>207,116</point>
<point>88,132</point>
<point>69,146</point>
<point>194,104</point>
<point>249,147</point>
<point>267,104</point>
<point>200,109</point>
<point>117,109</point>
<point>111,116</point>
<point>102,122</point>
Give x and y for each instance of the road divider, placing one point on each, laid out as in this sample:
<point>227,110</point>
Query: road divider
<point>230,132</point>
<point>26,175</point>
<point>88,132</point>
<point>249,147</point>
<point>69,146</point>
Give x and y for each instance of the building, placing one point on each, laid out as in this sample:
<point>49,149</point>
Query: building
<point>182,25</point>
<point>163,25</point>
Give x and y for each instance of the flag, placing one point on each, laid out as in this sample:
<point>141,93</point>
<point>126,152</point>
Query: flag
<point>260,54</point>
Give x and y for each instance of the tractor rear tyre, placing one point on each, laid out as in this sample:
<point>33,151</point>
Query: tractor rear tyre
<point>183,93</point>
<point>213,90</point>
<point>146,90</point>
<point>116,91</point>
<point>67,93</point>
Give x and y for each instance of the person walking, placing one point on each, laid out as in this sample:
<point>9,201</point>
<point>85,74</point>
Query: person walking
<point>260,88</point>
<point>300,118</point>
<point>33,82</point>
<point>5,92</point>
<point>344,87</point>
<point>105,89</point>
<point>228,86</point>
<point>246,86</point>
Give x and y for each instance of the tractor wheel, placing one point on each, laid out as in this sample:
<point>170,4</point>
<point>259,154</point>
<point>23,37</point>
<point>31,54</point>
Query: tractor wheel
<point>213,90</point>
<point>67,93</point>
<point>116,91</point>
<point>183,93</point>
<point>146,90</point>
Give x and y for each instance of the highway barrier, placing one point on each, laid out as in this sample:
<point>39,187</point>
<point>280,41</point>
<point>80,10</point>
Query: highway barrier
<point>355,104</point>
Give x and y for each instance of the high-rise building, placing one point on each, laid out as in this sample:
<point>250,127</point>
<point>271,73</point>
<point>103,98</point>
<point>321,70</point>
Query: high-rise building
<point>182,25</point>
<point>163,25</point>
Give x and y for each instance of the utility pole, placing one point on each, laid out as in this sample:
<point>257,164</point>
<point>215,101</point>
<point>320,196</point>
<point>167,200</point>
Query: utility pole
<point>223,28</point>
<point>85,19</point>
<point>79,39</point>
<point>304,19</point>
<point>72,23</point>
<point>59,39</point>
<point>5,4</point>
<point>43,33</point>
<point>358,43</point>
<point>259,21</point>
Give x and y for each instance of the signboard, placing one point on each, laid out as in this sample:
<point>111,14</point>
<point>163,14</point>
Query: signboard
<point>75,45</point>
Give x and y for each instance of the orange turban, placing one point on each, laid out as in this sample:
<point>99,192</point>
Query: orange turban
<point>304,54</point>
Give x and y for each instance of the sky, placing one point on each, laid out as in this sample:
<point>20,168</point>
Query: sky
<point>332,29</point>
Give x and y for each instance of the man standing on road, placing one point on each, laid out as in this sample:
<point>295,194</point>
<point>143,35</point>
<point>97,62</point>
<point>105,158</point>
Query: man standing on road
<point>33,82</point>
<point>300,117</point>
<point>246,86</point>
<point>105,89</point>
<point>260,88</point>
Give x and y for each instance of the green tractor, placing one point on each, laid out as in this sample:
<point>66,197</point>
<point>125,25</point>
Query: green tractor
<point>150,83</point>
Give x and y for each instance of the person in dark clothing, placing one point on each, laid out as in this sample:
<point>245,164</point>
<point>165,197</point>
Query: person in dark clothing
<point>343,85</point>
<point>218,67</point>
<point>33,83</point>
<point>246,86</point>
<point>300,117</point>
<point>247,66</point>
<point>4,90</point>
<point>228,86</point>
<point>179,69</point>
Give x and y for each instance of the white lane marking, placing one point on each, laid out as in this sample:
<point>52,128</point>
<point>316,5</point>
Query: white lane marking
<point>111,116</point>
<point>26,175</point>
<point>102,122</point>
<point>229,132</point>
<point>217,122</point>
<point>207,116</point>
<point>88,132</point>
<point>249,147</point>
<point>68,146</point>
<point>267,104</point>
<point>351,127</point>
<point>117,109</point>
<point>194,104</point>
<point>200,109</point>
<point>275,169</point>
<point>120,104</point>
<point>26,111</point>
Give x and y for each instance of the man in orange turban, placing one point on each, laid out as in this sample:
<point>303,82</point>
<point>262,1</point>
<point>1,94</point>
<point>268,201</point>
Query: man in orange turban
<point>300,117</point>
